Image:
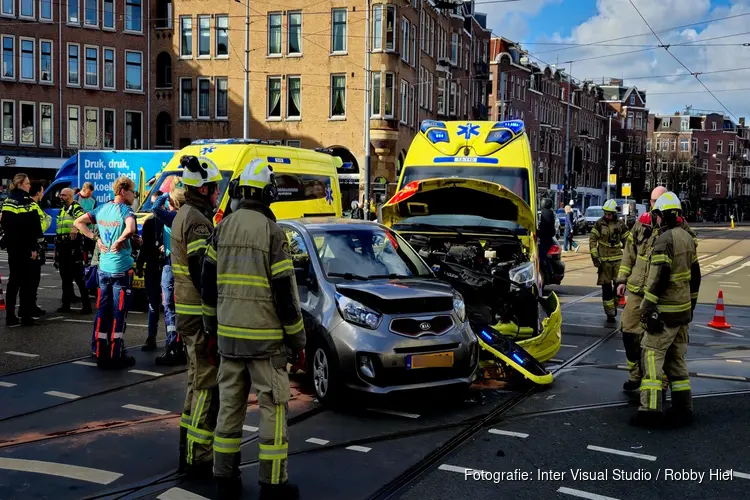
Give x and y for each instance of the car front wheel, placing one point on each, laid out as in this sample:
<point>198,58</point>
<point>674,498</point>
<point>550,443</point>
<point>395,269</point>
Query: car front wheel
<point>325,374</point>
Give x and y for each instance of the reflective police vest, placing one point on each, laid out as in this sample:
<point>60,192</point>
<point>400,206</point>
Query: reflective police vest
<point>66,218</point>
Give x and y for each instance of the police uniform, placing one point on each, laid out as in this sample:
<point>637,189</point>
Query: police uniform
<point>41,256</point>
<point>251,302</point>
<point>605,244</point>
<point>69,258</point>
<point>190,229</point>
<point>670,296</point>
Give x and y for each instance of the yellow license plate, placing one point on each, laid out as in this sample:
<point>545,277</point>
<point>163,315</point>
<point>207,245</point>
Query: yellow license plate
<point>138,283</point>
<point>436,360</point>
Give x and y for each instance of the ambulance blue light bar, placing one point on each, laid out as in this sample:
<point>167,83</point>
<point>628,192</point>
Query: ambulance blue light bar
<point>200,142</point>
<point>504,132</point>
<point>428,124</point>
<point>465,159</point>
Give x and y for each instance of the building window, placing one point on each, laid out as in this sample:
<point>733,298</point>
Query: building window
<point>204,95</point>
<point>294,36</point>
<point>46,125</point>
<point>377,27</point>
<point>9,121</point>
<point>73,125</point>
<point>274,34</point>
<point>422,83</point>
<point>405,39</point>
<point>411,105</point>
<point>673,144</point>
<point>632,100</point>
<point>376,78</point>
<point>45,61</point>
<point>704,187</point>
<point>454,48</point>
<point>108,132</point>
<point>9,56</point>
<point>163,129</point>
<point>293,143</point>
<point>705,146</point>
<point>92,66</point>
<point>390,28</point>
<point>390,83</point>
<point>222,36</point>
<point>91,134</point>
<point>441,96</point>
<point>186,36</point>
<point>338,33</point>
<point>453,99</point>
<point>45,10</point>
<point>430,91</point>
<point>293,97</point>
<point>204,36</point>
<point>163,15</point>
<point>694,145</point>
<point>73,64</point>
<point>27,123</point>
<point>718,167</point>
<point>684,145</point>
<point>718,188</point>
<point>27,9</point>
<point>133,15</point>
<point>338,96</point>
<point>705,165</point>
<point>8,8</point>
<point>108,14</point>
<point>730,150</point>
<point>719,147</point>
<point>73,15</point>
<point>133,130</point>
<point>274,98</point>
<point>91,13</point>
<point>109,69</point>
<point>28,52</point>
<point>186,98</point>
<point>414,45</point>
<point>638,121</point>
<point>133,71</point>
<point>404,104</point>
<point>222,97</point>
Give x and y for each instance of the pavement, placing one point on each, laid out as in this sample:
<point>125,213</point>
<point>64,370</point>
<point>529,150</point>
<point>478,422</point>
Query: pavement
<point>68,430</point>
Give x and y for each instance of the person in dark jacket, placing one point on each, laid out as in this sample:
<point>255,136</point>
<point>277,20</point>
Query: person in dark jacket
<point>69,253</point>
<point>150,263</point>
<point>22,229</point>
<point>36,192</point>
<point>546,228</point>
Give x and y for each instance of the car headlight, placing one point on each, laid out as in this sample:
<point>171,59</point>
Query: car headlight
<point>459,306</point>
<point>359,314</point>
<point>524,275</point>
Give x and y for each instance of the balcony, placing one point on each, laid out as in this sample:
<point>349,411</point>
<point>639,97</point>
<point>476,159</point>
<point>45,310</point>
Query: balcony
<point>481,68</point>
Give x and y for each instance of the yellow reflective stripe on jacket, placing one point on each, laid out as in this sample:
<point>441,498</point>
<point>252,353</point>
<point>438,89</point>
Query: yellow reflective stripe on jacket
<point>634,289</point>
<point>242,279</point>
<point>295,328</point>
<point>208,310</point>
<point>680,385</point>
<point>180,269</point>
<point>651,297</point>
<point>676,277</point>
<point>661,259</point>
<point>625,270</point>
<point>281,266</point>
<point>675,308</point>
<point>188,309</point>
<point>196,246</point>
<point>211,253</point>
<point>595,231</point>
<point>250,333</point>
<point>17,209</point>
<point>226,445</point>
<point>612,258</point>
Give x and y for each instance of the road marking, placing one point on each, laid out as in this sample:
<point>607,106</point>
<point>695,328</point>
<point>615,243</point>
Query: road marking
<point>146,409</point>
<point>393,412</point>
<point>568,345</point>
<point>97,476</point>
<point>583,494</point>
<point>741,475</point>
<point>363,449</point>
<point>623,367</point>
<point>555,360</point>
<point>453,468</point>
<point>720,331</point>
<point>84,363</point>
<point>62,395</point>
<point>22,354</point>
<point>728,261</point>
<point>179,494</point>
<point>620,350</point>
<point>501,432</point>
<point>7,384</point>
<point>728,283</point>
<point>744,265</point>
<point>144,372</point>
<point>733,361</point>
<point>249,428</point>
<point>720,377</point>
<point>317,441</point>
<point>706,257</point>
<point>623,453</point>
<point>56,317</point>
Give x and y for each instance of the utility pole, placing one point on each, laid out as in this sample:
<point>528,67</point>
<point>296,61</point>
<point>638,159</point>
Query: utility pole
<point>366,199</point>
<point>246,110</point>
<point>609,152</point>
<point>567,129</point>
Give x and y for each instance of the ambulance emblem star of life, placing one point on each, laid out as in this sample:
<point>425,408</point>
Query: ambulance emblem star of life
<point>468,130</point>
<point>329,194</point>
<point>207,150</point>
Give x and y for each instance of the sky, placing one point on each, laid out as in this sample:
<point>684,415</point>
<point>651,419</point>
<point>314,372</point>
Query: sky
<point>554,30</point>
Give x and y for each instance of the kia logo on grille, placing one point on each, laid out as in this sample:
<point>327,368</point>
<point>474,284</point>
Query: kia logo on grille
<point>425,326</point>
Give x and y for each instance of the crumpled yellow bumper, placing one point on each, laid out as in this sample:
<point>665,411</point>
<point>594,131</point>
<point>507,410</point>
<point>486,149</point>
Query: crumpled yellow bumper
<point>544,346</point>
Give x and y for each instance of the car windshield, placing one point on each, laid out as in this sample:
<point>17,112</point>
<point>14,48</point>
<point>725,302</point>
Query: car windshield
<point>168,178</point>
<point>514,178</point>
<point>366,251</point>
<point>594,212</point>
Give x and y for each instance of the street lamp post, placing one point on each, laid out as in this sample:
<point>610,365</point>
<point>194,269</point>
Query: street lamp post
<point>366,199</point>
<point>609,153</point>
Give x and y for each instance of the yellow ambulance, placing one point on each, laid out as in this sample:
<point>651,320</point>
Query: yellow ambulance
<point>307,179</point>
<point>466,200</point>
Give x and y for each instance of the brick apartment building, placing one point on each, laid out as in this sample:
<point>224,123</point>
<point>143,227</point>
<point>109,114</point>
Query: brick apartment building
<point>307,76</point>
<point>702,156</point>
<point>72,76</point>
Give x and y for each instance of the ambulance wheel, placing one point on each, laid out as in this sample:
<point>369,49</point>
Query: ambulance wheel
<point>325,374</point>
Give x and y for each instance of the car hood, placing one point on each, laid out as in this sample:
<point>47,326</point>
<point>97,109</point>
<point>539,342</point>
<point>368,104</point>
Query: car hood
<point>415,295</point>
<point>456,196</point>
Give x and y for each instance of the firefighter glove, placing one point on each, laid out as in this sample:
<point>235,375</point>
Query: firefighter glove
<point>652,321</point>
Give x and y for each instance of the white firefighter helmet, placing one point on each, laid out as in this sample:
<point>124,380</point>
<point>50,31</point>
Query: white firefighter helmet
<point>197,171</point>
<point>610,206</point>
<point>257,174</point>
<point>667,201</point>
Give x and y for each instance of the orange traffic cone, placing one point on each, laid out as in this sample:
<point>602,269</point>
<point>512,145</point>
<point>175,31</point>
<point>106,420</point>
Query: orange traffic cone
<point>719,320</point>
<point>2,297</point>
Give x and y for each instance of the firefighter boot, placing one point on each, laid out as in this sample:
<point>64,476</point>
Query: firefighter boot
<point>283,491</point>
<point>648,419</point>
<point>183,465</point>
<point>229,488</point>
<point>680,414</point>
<point>174,355</point>
<point>631,385</point>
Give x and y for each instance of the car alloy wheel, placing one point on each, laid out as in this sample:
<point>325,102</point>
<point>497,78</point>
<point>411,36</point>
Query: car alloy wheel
<point>321,373</point>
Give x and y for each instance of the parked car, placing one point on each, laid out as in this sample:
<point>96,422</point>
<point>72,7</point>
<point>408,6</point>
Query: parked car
<point>579,222</point>
<point>593,214</point>
<point>377,319</point>
<point>555,271</point>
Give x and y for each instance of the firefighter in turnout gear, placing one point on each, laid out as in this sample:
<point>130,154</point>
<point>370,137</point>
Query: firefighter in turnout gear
<point>251,308</point>
<point>69,253</point>
<point>670,296</point>
<point>190,229</point>
<point>606,241</point>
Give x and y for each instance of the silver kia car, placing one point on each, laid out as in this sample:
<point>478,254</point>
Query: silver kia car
<point>377,319</point>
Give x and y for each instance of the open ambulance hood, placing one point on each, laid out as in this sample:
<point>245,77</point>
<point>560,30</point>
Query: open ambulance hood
<point>456,196</point>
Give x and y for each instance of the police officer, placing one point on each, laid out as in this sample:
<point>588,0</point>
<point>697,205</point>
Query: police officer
<point>190,229</point>
<point>36,192</point>
<point>670,296</point>
<point>251,308</point>
<point>605,244</point>
<point>69,253</point>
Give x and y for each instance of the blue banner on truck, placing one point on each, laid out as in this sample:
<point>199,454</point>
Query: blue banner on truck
<point>102,168</point>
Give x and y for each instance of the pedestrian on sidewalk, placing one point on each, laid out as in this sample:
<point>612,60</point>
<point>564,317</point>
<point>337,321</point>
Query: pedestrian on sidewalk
<point>570,243</point>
